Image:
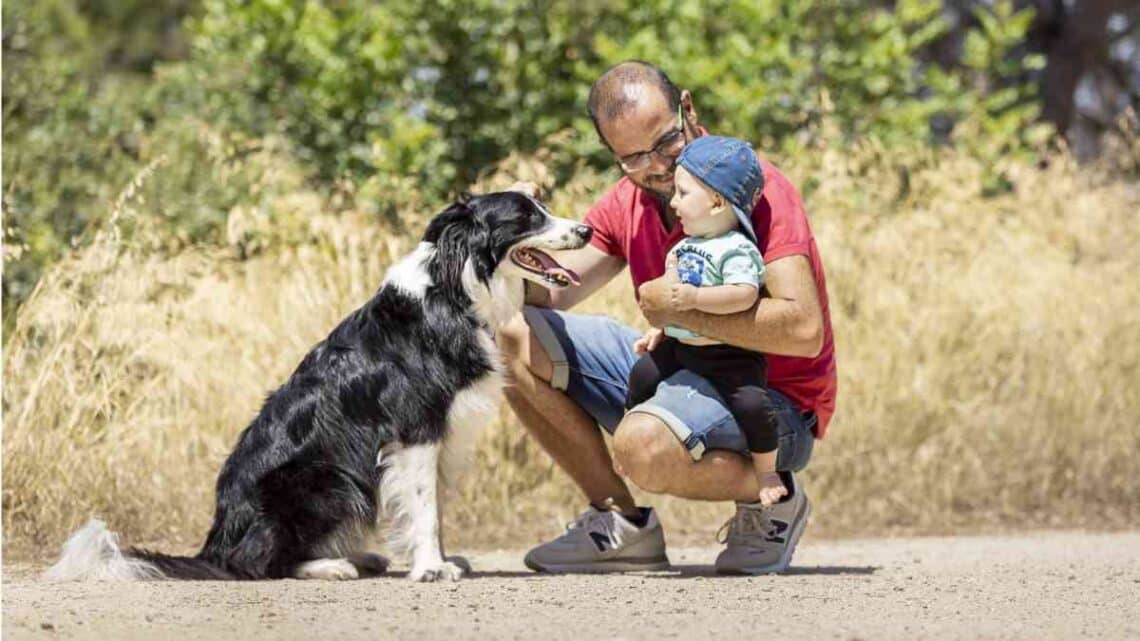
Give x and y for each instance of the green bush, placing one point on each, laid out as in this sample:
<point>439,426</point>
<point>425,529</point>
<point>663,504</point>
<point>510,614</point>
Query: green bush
<point>362,100</point>
<point>75,137</point>
<point>365,88</point>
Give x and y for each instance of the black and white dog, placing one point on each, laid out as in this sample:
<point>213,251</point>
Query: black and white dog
<point>373,415</point>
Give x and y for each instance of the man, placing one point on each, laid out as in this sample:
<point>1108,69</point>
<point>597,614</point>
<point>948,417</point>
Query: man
<point>569,371</point>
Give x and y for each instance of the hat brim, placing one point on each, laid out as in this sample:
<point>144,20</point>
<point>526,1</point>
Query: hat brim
<point>745,224</point>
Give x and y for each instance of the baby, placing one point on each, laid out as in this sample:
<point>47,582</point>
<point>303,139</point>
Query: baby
<point>716,181</point>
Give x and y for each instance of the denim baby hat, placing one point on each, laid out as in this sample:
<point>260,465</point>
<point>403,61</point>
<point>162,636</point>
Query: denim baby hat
<point>729,167</point>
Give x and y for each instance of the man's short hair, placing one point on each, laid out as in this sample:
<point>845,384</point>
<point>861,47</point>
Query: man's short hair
<point>607,100</point>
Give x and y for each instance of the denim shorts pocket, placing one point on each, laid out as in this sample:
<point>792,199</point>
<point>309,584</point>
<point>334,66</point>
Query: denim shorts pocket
<point>800,446</point>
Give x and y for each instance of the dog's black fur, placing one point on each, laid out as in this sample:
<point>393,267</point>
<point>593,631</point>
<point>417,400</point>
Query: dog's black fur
<point>306,468</point>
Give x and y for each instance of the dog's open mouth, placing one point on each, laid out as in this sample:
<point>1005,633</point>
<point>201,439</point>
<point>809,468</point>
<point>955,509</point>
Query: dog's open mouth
<point>539,262</point>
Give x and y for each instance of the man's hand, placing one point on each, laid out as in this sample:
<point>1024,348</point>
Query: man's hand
<point>661,298</point>
<point>649,342</point>
<point>528,188</point>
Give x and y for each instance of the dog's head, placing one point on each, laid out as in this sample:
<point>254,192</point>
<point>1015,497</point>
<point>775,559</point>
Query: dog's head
<point>503,234</point>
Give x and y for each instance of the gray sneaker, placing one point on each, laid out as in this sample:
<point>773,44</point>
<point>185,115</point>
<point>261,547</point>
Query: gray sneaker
<point>761,540</point>
<point>603,541</point>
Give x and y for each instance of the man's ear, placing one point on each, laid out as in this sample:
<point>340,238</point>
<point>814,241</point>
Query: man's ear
<point>688,111</point>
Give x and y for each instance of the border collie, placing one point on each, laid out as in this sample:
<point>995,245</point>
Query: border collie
<point>373,415</point>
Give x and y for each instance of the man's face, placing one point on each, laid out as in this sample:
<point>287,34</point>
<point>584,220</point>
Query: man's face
<point>643,128</point>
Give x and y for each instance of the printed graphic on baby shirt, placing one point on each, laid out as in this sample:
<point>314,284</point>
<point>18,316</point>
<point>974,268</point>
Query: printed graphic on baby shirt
<point>691,268</point>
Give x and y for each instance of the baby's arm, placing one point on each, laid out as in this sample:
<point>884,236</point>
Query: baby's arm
<point>725,299</point>
<point>742,270</point>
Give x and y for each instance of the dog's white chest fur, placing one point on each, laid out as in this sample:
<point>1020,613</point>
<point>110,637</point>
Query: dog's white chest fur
<point>473,408</point>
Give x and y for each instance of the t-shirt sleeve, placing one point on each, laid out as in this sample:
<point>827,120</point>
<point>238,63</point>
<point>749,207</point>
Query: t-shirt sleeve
<point>788,231</point>
<point>743,266</point>
<point>605,218</point>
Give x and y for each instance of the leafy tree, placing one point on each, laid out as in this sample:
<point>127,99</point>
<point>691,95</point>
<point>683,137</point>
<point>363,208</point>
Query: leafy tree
<point>401,102</point>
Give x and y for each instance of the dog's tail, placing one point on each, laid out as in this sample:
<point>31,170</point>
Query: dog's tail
<point>93,553</point>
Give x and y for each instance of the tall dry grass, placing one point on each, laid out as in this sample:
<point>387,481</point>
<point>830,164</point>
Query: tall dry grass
<point>988,356</point>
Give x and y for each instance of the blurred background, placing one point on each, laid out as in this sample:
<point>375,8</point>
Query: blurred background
<point>195,191</point>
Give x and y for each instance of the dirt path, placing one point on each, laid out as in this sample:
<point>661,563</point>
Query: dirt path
<point>1038,586</point>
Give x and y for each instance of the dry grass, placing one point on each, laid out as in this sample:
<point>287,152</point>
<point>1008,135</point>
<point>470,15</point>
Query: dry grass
<point>988,353</point>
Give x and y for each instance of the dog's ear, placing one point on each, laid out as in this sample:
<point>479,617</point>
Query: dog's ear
<point>454,232</point>
<point>483,258</point>
<point>457,213</point>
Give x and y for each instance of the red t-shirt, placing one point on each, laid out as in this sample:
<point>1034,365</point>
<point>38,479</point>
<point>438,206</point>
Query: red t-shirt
<point>627,224</point>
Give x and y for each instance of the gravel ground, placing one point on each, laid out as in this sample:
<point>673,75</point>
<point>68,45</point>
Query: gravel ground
<point>1035,586</point>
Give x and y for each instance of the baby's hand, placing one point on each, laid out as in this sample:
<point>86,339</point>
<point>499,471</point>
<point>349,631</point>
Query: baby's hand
<point>649,342</point>
<point>682,296</point>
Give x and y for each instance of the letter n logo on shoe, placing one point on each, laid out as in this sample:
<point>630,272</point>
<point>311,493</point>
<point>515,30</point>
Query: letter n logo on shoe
<point>602,541</point>
<point>776,535</point>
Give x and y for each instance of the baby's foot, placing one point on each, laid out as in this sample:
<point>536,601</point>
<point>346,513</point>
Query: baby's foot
<point>771,488</point>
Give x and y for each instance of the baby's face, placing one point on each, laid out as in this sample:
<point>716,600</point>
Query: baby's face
<point>697,207</point>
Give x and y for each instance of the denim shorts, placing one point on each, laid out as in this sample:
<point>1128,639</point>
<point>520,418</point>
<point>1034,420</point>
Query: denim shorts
<point>593,356</point>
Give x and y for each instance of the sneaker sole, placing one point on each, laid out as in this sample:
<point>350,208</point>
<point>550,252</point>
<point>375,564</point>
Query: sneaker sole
<point>597,567</point>
<point>785,559</point>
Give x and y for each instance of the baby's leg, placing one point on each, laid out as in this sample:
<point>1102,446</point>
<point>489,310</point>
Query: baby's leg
<point>752,408</point>
<point>772,487</point>
<point>649,370</point>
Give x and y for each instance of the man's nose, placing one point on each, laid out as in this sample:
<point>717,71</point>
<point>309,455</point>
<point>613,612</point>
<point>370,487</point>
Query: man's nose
<point>662,164</point>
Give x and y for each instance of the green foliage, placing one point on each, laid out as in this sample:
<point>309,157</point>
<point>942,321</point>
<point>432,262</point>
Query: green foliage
<point>443,88</point>
<point>1000,109</point>
<point>771,71</point>
<point>439,89</point>
<point>326,76</point>
<point>60,150</point>
<point>363,100</point>
<point>74,137</point>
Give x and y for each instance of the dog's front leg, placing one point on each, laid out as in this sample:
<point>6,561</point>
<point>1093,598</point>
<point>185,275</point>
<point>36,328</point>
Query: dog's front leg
<point>411,480</point>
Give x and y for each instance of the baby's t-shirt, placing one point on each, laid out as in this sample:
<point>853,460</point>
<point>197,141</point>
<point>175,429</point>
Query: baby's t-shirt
<point>728,259</point>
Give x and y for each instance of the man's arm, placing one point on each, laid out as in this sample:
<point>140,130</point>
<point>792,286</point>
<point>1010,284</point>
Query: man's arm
<point>788,322</point>
<point>594,267</point>
<point>724,299</point>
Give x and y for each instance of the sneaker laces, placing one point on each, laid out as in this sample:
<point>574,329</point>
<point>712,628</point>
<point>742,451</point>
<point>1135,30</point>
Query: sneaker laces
<point>744,522</point>
<point>595,520</point>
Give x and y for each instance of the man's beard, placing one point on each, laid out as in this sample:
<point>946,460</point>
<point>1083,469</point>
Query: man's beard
<point>663,199</point>
<point>654,185</point>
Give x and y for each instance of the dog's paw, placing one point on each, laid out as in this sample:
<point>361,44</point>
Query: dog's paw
<point>369,564</point>
<point>328,569</point>
<point>442,571</point>
<point>462,562</point>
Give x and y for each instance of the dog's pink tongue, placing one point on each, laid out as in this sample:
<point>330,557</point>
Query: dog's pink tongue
<point>569,274</point>
<point>551,267</point>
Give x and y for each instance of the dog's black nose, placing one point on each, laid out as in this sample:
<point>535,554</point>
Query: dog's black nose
<point>583,232</point>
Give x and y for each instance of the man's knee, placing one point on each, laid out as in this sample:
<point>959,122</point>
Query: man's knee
<point>646,452</point>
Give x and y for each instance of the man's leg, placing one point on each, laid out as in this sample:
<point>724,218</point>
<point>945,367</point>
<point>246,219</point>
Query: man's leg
<point>649,453</point>
<point>562,428</point>
<point>589,357</point>
<point>684,442</point>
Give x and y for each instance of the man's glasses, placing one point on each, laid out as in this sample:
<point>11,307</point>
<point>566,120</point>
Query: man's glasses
<point>667,148</point>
